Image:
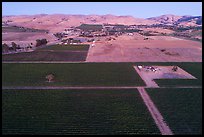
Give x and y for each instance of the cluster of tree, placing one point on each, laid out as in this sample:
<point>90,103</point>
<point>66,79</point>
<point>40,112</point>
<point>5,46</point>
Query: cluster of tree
<point>88,27</point>
<point>71,40</point>
<point>6,48</point>
<point>131,30</point>
<point>148,33</point>
<point>181,28</point>
<point>40,42</point>
<point>90,40</point>
<point>59,35</point>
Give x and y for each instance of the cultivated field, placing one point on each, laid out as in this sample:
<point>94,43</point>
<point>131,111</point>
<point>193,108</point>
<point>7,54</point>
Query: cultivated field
<point>92,74</point>
<point>181,108</point>
<point>79,47</point>
<point>70,74</point>
<point>78,112</point>
<point>51,53</point>
<point>97,88</point>
<point>46,56</point>
<point>42,107</point>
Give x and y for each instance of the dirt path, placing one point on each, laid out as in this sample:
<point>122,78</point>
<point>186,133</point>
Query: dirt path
<point>159,120</point>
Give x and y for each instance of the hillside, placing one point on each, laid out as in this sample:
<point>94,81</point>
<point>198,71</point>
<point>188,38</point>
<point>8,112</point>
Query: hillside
<point>178,20</point>
<point>49,22</point>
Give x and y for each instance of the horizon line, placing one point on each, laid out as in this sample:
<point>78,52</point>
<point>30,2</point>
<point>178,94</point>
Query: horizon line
<point>94,15</point>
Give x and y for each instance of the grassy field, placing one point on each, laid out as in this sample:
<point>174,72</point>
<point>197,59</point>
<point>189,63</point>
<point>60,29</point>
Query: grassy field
<point>80,47</point>
<point>181,108</point>
<point>72,74</point>
<point>194,68</point>
<point>88,112</point>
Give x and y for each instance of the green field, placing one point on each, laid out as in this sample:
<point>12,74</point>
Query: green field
<point>80,47</point>
<point>70,74</point>
<point>181,108</point>
<point>193,68</point>
<point>88,112</point>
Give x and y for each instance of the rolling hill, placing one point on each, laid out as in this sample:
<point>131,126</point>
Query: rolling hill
<point>58,22</point>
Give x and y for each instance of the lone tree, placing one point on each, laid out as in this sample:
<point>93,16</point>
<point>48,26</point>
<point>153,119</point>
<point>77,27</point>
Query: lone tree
<point>175,68</point>
<point>50,77</point>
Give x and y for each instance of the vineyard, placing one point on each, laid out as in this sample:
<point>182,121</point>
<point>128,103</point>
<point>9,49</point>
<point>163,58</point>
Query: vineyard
<point>66,112</point>
<point>51,53</point>
<point>70,74</point>
<point>80,47</point>
<point>181,108</point>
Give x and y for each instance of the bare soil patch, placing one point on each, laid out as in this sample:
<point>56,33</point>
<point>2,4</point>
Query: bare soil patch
<point>162,72</point>
<point>136,49</point>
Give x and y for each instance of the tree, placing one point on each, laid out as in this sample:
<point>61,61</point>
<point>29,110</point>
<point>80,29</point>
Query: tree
<point>40,42</point>
<point>14,46</point>
<point>175,68</point>
<point>44,41</point>
<point>5,48</point>
<point>50,77</point>
<point>59,35</point>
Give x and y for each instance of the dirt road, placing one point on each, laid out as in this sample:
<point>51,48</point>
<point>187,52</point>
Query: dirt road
<point>148,81</point>
<point>158,118</point>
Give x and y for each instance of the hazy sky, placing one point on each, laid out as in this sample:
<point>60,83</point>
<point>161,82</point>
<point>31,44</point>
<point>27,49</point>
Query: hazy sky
<point>136,9</point>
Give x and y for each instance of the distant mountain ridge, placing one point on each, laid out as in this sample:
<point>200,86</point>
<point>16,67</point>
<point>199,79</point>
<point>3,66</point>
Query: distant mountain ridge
<point>58,22</point>
<point>178,20</point>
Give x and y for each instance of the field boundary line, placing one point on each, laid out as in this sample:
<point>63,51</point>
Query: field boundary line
<point>158,118</point>
<point>66,87</point>
<point>47,62</point>
<point>88,87</point>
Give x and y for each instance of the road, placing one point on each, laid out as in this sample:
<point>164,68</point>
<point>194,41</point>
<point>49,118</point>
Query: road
<point>156,115</point>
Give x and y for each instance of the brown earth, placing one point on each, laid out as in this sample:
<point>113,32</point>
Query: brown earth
<point>62,21</point>
<point>25,38</point>
<point>163,72</point>
<point>136,49</point>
